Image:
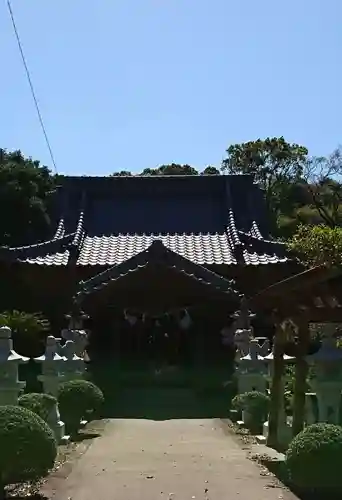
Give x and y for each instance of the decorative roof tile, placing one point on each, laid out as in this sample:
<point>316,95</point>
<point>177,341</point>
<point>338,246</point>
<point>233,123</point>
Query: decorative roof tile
<point>199,248</point>
<point>205,219</point>
<point>158,254</point>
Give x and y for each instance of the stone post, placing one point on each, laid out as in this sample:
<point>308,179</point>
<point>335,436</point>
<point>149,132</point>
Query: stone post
<point>284,433</point>
<point>327,382</point>
<point>73,367</point>
<point>251,374</point>
<point>310,414</point>
<point>51,378</point>
<point>10,386</point>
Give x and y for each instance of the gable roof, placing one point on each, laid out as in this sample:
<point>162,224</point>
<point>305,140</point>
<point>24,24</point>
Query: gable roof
<point>158,255</point>
<point>206,219</point>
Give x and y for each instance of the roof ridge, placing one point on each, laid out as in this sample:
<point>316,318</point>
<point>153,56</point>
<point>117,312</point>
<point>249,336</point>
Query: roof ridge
<point>60,231</point>
<point>261,239</point>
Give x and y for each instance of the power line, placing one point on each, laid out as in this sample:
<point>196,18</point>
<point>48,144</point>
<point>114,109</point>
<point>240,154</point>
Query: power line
<point>31,85</point>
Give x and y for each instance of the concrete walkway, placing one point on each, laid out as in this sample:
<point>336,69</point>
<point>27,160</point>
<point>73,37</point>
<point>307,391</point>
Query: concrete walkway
<point>172,459</point>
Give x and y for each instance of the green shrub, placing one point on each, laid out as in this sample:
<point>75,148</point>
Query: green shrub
<point>39,403</point>
<point>28,446</point>
<point>314,457</point>
<point>237,402</point>
<point>255,403</point>
<point>77,399</point>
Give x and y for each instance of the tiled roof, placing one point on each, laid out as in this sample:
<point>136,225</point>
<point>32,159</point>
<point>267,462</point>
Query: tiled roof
<point>52,252</point>
<point>199,248</point>
<point>158,254</point>
<point>208,220</point>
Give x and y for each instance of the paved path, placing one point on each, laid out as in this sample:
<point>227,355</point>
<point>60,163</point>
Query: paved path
<point>172,459</point>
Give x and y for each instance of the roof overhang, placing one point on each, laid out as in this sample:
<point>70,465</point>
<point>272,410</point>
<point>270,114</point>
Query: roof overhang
<point>160,260</point>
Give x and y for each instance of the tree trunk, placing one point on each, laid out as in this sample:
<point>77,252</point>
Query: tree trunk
<point>277,391</point>
<point>301,373</point>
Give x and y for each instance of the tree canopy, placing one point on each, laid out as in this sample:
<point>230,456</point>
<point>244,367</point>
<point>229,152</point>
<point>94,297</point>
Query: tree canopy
<point>25,190</point>
<point>171,169</point>
<point>317,245</point>
<point>298,189</point>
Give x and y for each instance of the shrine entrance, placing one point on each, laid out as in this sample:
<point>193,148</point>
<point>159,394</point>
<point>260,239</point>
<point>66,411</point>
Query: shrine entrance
<point>159,308</point>
<point>159,320</point>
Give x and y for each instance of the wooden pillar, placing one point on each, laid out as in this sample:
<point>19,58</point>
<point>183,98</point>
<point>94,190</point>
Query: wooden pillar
<point>276,385</point>
<point>301,373</point>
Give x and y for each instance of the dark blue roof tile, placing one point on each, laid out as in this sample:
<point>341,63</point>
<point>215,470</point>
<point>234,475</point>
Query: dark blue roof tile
<point>206,219</point>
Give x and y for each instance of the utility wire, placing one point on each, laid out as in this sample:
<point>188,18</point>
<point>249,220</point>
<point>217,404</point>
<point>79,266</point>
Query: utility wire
<point>41,121</point>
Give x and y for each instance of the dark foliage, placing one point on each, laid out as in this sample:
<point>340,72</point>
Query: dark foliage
<point>28,446</point>
<point>313,459</point>
<point>39,403</point>
<point>77,399</point>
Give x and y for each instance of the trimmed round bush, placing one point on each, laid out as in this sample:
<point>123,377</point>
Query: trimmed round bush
<point>313,459</point>
<point>39,403</point>
<point>254,402</point>
<point>28,446</point>
<point>77,399</point>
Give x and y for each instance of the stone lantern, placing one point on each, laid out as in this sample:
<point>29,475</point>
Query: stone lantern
<point>76,332</point>
<point>243,329</point>
<point>284,430</point>
<point>327,380</point>
<point>73,366</point>
<point>251,370</point>
<point>264,345</point>
<point>51,378</point>
<point>10,386</point>
<point>52,363</point>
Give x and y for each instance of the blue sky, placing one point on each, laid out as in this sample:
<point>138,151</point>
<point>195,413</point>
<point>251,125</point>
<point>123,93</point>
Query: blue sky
<point>125,85</point>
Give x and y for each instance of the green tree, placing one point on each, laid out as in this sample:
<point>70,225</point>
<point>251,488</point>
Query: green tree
<point>317,245</point>
<point>122,173</point>
<point>210,170</point>
<point>277,166</point>
<point>29,331</point>
<point>324,188</point>
<point>25,192</point>
<point>171,169</point>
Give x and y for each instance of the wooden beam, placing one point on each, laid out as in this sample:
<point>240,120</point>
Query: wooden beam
<point>276,386</point>
<point>301,373</point>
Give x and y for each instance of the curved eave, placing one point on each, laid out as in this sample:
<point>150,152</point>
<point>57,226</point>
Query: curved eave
<point>38,250</point>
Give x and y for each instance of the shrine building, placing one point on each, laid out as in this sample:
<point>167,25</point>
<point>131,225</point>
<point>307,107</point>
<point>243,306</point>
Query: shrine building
<point>148,246</point>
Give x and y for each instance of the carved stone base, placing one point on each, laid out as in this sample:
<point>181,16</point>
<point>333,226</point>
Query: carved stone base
<point>284,433</point>
<point>260,439</point>
<point>234,415</point>
<point>59,431</point>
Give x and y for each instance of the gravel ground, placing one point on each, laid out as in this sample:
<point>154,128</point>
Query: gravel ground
<point>138,459</point>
